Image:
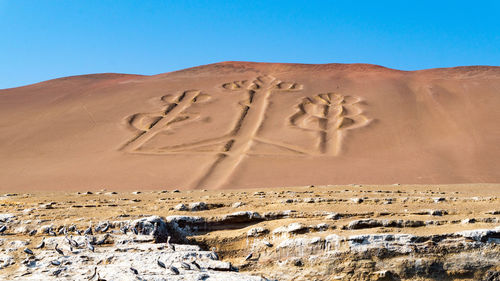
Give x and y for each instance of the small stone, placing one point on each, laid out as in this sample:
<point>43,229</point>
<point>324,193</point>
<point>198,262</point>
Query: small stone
<point>46,228</point>
<point>267,243</point>
<point>308,200</point>
<point>357,200</point>
<point>257,231</point>
<point>468,221</point>
<point>383,275</point>
<point>333,216</point>
<point>22,230</point>
<point>47,206</point>
<point>437,212</point>
<point>28,211</point>
<point>322,227</point>
<point>6,217</point>
<point>238,204</point>
<point>297,262</point>
<point>181,207</point>
<point>438,199</point>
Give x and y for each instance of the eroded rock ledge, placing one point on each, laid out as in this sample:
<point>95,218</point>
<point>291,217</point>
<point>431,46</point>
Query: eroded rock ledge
<point>118,250</point>
<point>135,249</point>
<point>473,254</point>
<point>303,233</point>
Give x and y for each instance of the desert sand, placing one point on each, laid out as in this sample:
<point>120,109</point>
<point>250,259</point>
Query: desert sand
<point>249,125</point>
<point>253,172</point>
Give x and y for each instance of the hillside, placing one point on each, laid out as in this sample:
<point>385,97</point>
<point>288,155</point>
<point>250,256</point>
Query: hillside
<point>242,125</point>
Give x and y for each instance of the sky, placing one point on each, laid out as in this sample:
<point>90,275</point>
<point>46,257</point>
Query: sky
<point>46,39</point>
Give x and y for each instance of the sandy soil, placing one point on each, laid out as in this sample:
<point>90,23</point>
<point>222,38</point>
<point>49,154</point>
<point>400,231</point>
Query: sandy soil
<point>245,125</point>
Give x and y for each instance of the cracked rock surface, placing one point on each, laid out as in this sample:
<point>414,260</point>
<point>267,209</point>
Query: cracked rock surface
<point>300,233</point>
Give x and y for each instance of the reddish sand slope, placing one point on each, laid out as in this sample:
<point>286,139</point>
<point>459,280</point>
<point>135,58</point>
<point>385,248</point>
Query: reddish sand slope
<point>235,125</point>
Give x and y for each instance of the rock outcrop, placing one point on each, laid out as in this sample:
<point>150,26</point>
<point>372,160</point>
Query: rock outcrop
<point>468,254</point>
<point>140,254</point>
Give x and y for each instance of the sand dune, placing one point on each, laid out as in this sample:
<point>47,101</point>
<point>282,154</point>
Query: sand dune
<point>237,125</point>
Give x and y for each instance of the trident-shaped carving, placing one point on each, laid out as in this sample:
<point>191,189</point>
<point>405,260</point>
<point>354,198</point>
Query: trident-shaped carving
<point>329,115</point>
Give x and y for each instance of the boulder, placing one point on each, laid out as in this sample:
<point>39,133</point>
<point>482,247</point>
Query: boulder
<point>154,226</point>
<point>187,225</point>
<point>198,206</point>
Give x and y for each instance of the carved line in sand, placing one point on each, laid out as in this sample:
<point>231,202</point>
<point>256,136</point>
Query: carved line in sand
<point>333,112</point>
<point>150,124</point>
<point>330,115</point>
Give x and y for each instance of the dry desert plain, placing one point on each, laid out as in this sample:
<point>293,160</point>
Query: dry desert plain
<point>253,171</point>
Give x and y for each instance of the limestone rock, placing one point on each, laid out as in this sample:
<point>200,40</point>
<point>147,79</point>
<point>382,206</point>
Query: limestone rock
<point>257,231</point>
<point>181,207</point>
<point>154,226</point>
<point>198,206</point>
<point>242,217</point>
<point>4,218</point>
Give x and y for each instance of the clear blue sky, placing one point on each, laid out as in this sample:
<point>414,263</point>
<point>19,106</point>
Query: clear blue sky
<point>45,39</point>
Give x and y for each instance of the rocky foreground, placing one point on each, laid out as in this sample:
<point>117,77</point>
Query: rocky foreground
<point>303,233</point>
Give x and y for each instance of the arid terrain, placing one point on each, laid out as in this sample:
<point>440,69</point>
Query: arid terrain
<point>246,125</point>
<point>350,232</point>
<point>253,171</point>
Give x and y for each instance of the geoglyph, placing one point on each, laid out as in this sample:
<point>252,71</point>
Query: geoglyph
<point>329,116</point>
